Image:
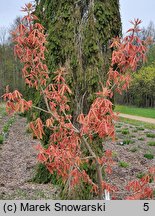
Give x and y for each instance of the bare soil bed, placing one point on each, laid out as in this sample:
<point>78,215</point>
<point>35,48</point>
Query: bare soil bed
<point>18,161</point>
<point>129,150</point>
<point>17,165</point>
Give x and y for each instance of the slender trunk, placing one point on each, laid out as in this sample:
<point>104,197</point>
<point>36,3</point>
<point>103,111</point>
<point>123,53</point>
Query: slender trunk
<point>98,168</point>
<point>99,179</point>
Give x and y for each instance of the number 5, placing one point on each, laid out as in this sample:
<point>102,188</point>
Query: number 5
<point>146,207</point>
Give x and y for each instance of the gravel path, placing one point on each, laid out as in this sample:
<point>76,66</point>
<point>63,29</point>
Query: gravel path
<point>139,118</point>
<point>17,163</point>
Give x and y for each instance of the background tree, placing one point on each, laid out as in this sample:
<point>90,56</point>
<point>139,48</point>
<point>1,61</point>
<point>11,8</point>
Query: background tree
<point>148,31</point>
<point>9,66</point>
<point>141,91</point>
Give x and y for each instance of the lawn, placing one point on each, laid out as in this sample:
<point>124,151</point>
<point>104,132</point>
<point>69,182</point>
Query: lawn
<point>144,112</point>
<point>137,123</point>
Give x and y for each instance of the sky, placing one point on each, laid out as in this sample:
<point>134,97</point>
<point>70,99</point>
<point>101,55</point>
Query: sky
<point>142,9</point>
<point>9,10</point>
<point>130,9</point>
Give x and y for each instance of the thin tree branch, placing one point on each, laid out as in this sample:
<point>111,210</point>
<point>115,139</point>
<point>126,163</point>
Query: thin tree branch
<point>38,108</point>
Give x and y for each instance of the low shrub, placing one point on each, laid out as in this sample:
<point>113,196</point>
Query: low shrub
<point>151,143</point>
<point>150,135</point>
<point>149,156</point>
<point>140,175</point>
<point>125,131</point>
<point>134,149</point>
<point>1,139</point>
<point>123,164</point>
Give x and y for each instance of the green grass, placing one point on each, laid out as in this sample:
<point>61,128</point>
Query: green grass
<point>151,143</point>
<point>137,123</point>
<point>144,112</point>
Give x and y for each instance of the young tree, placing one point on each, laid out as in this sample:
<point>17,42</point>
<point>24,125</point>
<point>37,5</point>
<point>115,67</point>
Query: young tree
<point>70,146</point>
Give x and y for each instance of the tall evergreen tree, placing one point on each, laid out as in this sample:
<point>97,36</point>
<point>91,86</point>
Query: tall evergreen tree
<point>79,34</point>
